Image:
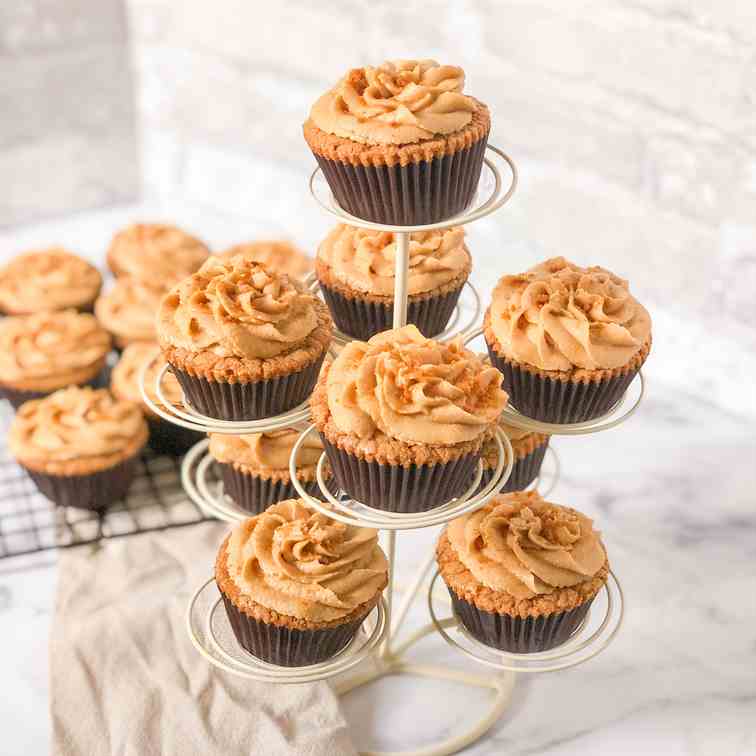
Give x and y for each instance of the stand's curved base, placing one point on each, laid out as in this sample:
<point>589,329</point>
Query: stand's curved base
<point>501,685</point>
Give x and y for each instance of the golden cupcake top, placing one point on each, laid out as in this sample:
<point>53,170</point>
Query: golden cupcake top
<point>124,378</point>
<point>398,102</point>
<point>413,389</point>
<point>558,316</point>
<point>266,451</point>
<point>73,424</point>
<point>237,308</point>
<point>48,344</point>
<point>365,260</point>
<point>49,279</point>
<point>296,561</point>
<point>156,252</point>
<point>279,255</point>
<point>129,307</point>
<point>524,546</point>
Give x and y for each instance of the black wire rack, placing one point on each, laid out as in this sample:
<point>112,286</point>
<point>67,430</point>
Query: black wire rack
<point>30,523</point>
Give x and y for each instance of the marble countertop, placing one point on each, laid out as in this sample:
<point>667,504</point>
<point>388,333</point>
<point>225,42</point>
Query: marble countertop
<point>673,492</point>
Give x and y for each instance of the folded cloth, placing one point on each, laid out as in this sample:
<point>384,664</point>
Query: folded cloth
<point>126,680</point>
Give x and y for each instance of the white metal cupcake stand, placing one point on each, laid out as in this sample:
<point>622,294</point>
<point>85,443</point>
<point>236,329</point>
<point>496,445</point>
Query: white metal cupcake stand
<point>376,644</point>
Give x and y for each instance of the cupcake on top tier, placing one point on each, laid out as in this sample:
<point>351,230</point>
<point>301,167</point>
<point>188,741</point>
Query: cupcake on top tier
<point>79,445</point>
<point>355,268</point>
<point>49,279</point>
<point>255,466</point>
<point>128,310</point>
<point>403,419</point>
<point>400,143</point>
<point>529,450</point>
<point>46,351</point>
<point>165,437</point>
<point>244,342</point>
<point>281,256</point>
<point>521,571</point>
<point>297,585</point>
<point>155,252</point>
<point>568,340</point>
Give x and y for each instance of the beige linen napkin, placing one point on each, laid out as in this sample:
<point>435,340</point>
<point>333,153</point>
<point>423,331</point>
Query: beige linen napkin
<point>126,680</point>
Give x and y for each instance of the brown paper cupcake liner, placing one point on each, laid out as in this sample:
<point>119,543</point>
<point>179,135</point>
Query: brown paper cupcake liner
<point>524,471</point>
<point>17,397</point>
<point>427,191</point>
<point>255,494</point>
<point>171,440</point>
<point>396,488</point>
<point>553,401</point>
<point>285,646</point>
<point>253,400</point>
<point>96,491</point>
<point>361,319</point>
<point>515,634</point>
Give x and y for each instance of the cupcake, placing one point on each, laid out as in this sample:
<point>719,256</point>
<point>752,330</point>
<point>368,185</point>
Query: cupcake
<point>355,268</point>
<point>127,311</point>
<point>244,342</point>
<point>521,571</point>
<point>403,419</point>
<point>155,252</point>
<point>80,446</point>
<point>281,256</point>
<point>529,450</point>
<point>44,352</point>
<point>400,144</point>
<point>568,340</point>
<point>255,467</point>
<point>165,437</point>
<point>297,585</point>
<point>50,279</point>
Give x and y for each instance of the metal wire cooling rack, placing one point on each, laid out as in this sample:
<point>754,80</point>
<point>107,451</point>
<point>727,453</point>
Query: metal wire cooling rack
<point>29,523</point>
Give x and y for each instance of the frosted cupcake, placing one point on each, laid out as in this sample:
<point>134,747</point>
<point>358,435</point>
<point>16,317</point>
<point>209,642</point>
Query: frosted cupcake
<point>49,279</point>
<point>400,143</point>
<point>297,585</point>
<point>244,342</point>
<point>44,352</point>
<point>128,309</point>
<point>355,268</point>
<point>403,419</point>
<point>279,255</point>
<point>521,571</point>
<point>568,340</point>
<point>165,437</point>
<point>255,467</point>
<point>80,446</point>
<point>158,253</point>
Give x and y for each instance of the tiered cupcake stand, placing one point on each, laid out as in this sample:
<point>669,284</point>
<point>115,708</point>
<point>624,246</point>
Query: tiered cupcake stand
<point>376,644</point>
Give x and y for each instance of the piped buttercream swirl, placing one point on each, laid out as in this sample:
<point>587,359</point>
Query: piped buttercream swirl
<point>524,546</point>
<point>281,256</point>
<point>300,563</point>
<point>559,316</point>
<point>267,451</point>
<point>398,102</point>
<point>365,260</point>
<point>237,308</point>
<point>413,389</point>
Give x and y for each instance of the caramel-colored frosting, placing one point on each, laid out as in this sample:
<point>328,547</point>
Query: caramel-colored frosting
<point>48,344</point>
<point>237,308</point>
<point>128,308</point>
<point>364,260</point>
<point>50,279</point>
<point>558,316</point>
<point>281,256</point>
<point>525,546</point>
<point>72,424</point>
<point>124,380</point>
<point>269,451</point>
<point>156,253</point>
<point>413,389</point>
<point>300,563</point>
<point>399,102</point>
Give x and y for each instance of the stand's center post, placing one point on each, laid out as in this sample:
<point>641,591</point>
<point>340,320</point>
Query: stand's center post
<point>401,271</point>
